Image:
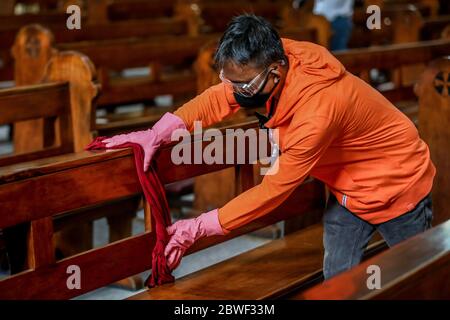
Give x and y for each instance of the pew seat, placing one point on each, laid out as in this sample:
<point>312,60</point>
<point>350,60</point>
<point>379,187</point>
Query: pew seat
<point>271,271</point>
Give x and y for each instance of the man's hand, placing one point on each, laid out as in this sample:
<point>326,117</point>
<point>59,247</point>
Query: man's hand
<point>184,233</point>
<point>150,139</point>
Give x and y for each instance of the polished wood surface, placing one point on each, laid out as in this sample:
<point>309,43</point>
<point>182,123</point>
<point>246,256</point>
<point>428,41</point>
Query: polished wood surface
<point>418,268</point>
<point>61,107</point>
<point>434,117</point>
<point>94,178</point>
<point>295,260</point>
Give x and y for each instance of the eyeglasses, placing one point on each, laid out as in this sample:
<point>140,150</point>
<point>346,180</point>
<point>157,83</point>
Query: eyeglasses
<point>251,88</point>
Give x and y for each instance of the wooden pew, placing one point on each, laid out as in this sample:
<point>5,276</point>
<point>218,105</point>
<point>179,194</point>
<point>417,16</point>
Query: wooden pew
<point>105,11</point>
<point>95,28</point>
<point>114,55</point>
<point>212,16</point>
<point>35,139</point>
<point>94,12</point>
<point>433,27</point>
<point>61,107</point>
<point>416,269</point>
<point>400,24</point>
<point>426,7</point>
<point>305,18</point>
<point>446,33</point>
<point>407,24</point>
<point>56,118</point>
<point>32,51</point>
<point>34,47</point>
<point>63,99</point>
<point>7,7</point>
<point>119,30</point>
<point>89,176</point>
<point>284,265</point>
<point>397,58</point>
<point>434,99</point>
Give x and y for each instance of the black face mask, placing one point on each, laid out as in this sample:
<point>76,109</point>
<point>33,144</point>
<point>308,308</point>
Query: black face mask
<point>258,100</point>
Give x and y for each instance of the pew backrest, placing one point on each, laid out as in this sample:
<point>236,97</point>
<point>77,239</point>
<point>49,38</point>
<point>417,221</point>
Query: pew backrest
<point>53,116</point>
<point>433,91</point>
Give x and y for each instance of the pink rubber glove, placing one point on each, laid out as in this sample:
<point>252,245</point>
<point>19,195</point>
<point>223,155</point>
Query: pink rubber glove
<point>185,232</point>
<point>150,139</point>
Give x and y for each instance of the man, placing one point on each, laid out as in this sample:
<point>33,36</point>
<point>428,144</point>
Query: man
<point>340,15</point>
<point>332,126</point>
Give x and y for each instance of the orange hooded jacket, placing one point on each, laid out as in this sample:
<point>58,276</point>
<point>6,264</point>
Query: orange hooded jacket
<point>336,128</point>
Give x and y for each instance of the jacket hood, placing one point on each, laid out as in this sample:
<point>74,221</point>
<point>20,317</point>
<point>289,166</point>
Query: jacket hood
<point>311,68</point>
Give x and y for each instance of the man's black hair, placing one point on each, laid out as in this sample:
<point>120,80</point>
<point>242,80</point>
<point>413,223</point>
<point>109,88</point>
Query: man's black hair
<point>249,40</point>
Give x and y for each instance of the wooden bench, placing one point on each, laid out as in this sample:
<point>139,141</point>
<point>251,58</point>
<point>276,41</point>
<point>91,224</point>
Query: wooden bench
<point>33,48</point>
<point>433,27</point>
<point>113,55</point>
<point>434,100</point>
<point>416,269</point>
<point>95,12</point>
<point>98,27</point>
<point>113,20</point>
<point>60,109</point>
<point>63,101</point>
<point>283,265</point>
<point>117,30</point>
<point>91,171</point>
<point>89,176</point>
<point>405,62</point>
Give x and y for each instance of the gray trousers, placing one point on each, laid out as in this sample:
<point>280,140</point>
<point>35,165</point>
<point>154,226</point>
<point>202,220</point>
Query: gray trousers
<point>346,236</point>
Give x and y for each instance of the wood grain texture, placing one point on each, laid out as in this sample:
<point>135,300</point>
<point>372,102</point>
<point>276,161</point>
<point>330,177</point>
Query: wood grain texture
<point>60,106</point>
<point>41,248</point>
<point>280,270</point>
<point>434,119</point>
<point>417,268</point>
<point>35,101</point>
<point>32,48</point>
<point>80,73</point>
<point>94,178</point>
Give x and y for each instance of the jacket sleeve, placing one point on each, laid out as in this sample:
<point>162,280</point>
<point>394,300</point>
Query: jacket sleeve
<point>210,107</point>
<point>306,142</point>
